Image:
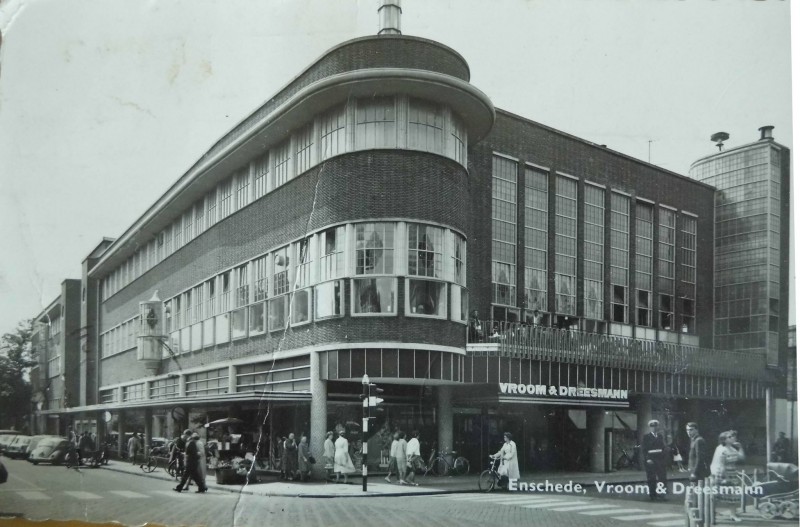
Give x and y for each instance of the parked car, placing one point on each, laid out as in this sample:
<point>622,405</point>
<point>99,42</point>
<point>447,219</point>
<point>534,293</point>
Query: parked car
<point>34,443</point>
<point>51,449</point>
<point>18,448</point>
<point>5,440</point>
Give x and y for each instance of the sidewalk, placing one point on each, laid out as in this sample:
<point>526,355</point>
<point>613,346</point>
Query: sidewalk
<point>377,486</point>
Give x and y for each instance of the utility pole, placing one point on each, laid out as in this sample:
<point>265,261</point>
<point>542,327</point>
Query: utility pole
<point>368,401</point>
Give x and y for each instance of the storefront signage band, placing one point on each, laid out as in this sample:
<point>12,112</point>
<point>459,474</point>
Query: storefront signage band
<point>562,391</point>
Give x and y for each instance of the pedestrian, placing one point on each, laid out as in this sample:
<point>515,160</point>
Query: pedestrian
<point>192,462</point>
<point>654,452</point>
<point>400,457</point>
<point>304,459</point>
<point>342,462</point>
<point>85,447</point>
<point>202,464</point>
<point>290,457</point>
<point>780,451</point>
<point>393,459</point>
<point>724,467</point>
<point>509,463</point>
<point>133,447</point>
<point>698,454</point>
<point>328,452</point>
<point>413,459</point>
<point>177,450</point>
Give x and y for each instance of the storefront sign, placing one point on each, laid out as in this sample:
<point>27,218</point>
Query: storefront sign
<point>562,391</point>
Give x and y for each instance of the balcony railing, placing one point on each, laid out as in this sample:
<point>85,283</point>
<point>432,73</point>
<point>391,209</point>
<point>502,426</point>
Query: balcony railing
<point>578,347</point>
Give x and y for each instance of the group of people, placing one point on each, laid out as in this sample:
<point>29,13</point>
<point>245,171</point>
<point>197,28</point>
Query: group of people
<point>723,465</point>
<point>191,450</point>
<point>296,458</point>
<point>336,455</point>
<point>84,443</point>
<point>404,458</point>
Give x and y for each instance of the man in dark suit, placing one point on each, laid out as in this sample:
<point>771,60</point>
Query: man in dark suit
<point>654,452</point>
<point>192,462</point>
<point>698,465</point>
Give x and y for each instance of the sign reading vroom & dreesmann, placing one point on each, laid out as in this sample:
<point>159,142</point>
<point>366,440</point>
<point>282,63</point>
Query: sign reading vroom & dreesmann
<point>562,391</point>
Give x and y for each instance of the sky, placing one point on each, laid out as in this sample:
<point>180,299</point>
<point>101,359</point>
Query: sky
<point>105,103</point>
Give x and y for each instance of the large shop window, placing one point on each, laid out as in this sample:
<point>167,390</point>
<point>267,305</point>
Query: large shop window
<point>426,298</point>
<point>375,296</point>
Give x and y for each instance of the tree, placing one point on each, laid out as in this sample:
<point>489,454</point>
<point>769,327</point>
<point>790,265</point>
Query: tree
<point>16,359</point>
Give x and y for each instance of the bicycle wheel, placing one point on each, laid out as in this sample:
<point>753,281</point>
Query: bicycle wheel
<point>172,469</point>
<point>486,481</point>
<point>151,465</point>
<point>461,466</point>
<point>440,467</point>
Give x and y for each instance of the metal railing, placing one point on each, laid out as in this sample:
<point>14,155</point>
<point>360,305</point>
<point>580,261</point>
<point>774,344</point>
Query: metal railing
<point>518,340</point>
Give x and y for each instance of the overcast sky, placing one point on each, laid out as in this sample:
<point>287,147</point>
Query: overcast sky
<point>105,103</point>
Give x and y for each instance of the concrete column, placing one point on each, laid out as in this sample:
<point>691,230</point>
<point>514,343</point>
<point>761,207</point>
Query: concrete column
<point>121,432</point>
<point>148,430</point>
<point>644,413</point>
<point>318,417</point>
<point>444,418</point>
<point>770,421</point>
<point>595,428</point>
<point>231,379</point>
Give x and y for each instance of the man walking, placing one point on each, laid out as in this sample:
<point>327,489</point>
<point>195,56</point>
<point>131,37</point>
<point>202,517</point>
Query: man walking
<point>133,447</point>
<point>698,466</point>
<point>192,462</point>
<point>654,452</point>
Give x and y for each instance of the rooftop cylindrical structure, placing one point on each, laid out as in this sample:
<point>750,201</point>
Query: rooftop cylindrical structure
<point>389,12</point>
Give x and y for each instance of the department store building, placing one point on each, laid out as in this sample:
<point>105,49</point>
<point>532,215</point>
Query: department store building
<point>379,216</point>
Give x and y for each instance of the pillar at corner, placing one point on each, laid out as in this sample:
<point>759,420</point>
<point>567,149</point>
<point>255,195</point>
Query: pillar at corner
<point>644,413</point>
<point>444,417</point>
<point>319,416</point>
<point>595,426</point>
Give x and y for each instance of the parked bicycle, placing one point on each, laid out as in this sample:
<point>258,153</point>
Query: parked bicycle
<point>628,459</point>
<point>441,464</point>
<point>490,479</point>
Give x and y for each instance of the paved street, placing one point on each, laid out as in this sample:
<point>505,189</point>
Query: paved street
<point>41,492</point>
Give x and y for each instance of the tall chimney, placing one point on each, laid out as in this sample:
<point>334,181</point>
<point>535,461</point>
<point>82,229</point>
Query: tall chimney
<point>766,132</point>
<point>389,12</point>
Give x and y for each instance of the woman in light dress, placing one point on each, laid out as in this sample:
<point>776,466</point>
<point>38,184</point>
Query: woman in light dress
<point>393,459</point>
<point>400,457</point>
<point>724,467</point>
<point>327,452</point>
<point>342,463</point>
<point>509,464</point>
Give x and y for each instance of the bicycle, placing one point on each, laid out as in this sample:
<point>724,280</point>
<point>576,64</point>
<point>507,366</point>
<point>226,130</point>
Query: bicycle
<point>490,478</point>
<point>175,468</point>
<point>440,465</point>
<point>626,460</point>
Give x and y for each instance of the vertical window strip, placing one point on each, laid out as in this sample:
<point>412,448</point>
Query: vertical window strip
<point>242,188</point>
<point>536,225</point>
<point>333,133</point>
<point>425,250</point>
<point>304,146</point>
<point>594,232</point>
<point>375,248</point>
<point>376,125</point>
<point>644,264</point>
<point>261,176</point>
<point>331,250</point>
<point>225,198</point>
<point>504,231</point>
<point>619,263</point>
<point>566,216</point>
<point>425,126</point>
<point>280,172</point>
<point>242,286</point>
<point>261,284</point>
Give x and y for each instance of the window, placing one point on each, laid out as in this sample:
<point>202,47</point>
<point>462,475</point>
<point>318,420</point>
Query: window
<point>333,131</point>
<point>280,277</point>
<point>278,309</point>
<point>328,298</point>
<point>504,231</point>
<point>374,248</point>
<point>426,298</point>
<point>280,158</point>
<point>619,259</point>
<point>459,303</point>
<point>261,175</point>
<point>566,217</point>
<point>225,292</point>
<point>425,250</point>
<point>177,235</point>
<point>239,323</point>
<point>188,226</point>
<point>425,126</point>
<point>331,250</point>
<point>188,308</point>
<point>242,179</point>
<point>666,268</point>
<point>256,318</point>
<point>303,259</point>
<point>688,273</point>
<point>644,263</point>
<point>225,198</point>
<point>459,140</point>
<point>593,233</point>
<point>301,306</point>
<point>211,207</point>
<point>211,298</point>
<point>536,224</point>
<point>200,216</point>
<point>261,285</point>
<point>374,296</point>
<point>242,286</point>
<point>199,303</point>
<point>304,145</point>
<point>458,255</point>
<point>375,123</point>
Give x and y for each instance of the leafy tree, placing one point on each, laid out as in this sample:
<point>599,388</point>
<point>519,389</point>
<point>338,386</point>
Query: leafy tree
<point>16,359</point>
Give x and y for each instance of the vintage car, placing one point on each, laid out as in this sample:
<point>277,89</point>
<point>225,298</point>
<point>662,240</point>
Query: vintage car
<point>6,439</point>
<point>51,449</point>
<point>18,448</point>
